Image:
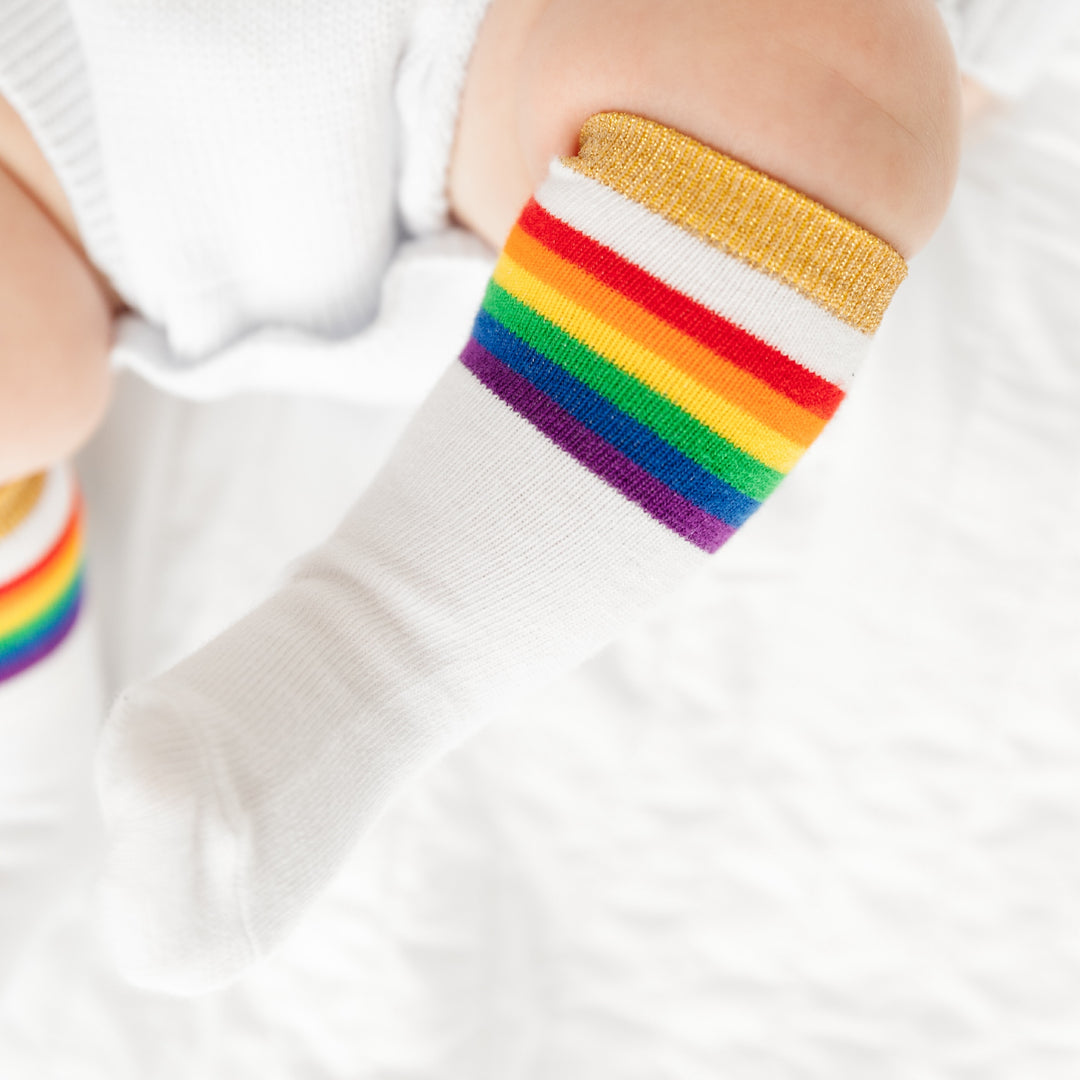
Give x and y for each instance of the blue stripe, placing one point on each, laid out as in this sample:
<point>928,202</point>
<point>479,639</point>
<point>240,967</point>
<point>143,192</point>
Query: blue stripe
<point>25,637</point>
<point>48,637</point>
<point>642,446</point>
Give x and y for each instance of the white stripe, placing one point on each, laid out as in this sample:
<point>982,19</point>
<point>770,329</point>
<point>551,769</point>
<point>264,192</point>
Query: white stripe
<point>549,561</point>
<point>763,306</point>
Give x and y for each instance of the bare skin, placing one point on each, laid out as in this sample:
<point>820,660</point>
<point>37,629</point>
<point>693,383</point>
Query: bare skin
<point>977,100</point>
<point>854,102</point>
<point>56,315</point>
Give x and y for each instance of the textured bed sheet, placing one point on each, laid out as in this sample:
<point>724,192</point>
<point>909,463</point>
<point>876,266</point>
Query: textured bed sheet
<point>818,819</point>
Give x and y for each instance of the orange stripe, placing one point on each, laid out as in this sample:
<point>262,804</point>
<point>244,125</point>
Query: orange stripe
<point>703,365</point>
<point>48,583</point>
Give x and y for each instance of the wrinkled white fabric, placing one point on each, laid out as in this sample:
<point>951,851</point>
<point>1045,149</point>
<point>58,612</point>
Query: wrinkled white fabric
<point>1007,44</point>
<point>264,182</point>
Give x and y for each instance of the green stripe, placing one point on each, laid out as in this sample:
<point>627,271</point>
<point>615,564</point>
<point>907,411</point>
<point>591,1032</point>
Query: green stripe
<point>673,424</point>
<point>43,621</point>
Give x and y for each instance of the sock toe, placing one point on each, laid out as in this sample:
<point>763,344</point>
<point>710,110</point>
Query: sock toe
<point>170,899</point>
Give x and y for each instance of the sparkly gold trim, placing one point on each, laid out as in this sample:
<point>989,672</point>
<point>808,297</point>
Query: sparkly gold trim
<point>837,264</point>
<point>17,500</point>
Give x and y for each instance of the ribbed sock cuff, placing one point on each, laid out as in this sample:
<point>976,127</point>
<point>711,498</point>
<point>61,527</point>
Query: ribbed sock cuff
<point>839,265</point>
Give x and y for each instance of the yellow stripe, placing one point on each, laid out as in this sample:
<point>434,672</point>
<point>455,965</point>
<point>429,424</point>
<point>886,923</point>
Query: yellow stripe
<point>727,420</point>
<point>832,261</point>
<point>17,500</point>
<point>709,369</point>
<point>43,590</point>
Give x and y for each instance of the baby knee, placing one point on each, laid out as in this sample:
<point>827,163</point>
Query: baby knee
<point>854,103</point>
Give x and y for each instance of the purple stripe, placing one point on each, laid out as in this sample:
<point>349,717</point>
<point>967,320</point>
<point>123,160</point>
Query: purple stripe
<point>44,645</point>
<point>595,453</point>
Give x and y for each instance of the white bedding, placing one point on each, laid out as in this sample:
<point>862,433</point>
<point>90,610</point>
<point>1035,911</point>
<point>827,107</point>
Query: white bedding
<point>820,818</point>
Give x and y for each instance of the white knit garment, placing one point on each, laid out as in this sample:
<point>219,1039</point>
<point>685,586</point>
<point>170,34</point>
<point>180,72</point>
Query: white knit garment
<point>483,560</point>
<point>264,182</point>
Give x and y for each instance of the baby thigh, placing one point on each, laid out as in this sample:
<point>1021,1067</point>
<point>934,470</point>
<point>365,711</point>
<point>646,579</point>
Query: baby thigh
<point>55,332</point>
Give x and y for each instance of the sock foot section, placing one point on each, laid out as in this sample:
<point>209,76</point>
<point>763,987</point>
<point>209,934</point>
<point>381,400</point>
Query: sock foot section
<point>665,333</point>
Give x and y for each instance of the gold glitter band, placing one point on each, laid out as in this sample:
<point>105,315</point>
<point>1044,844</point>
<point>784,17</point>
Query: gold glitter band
<point>837,264</point>
<point>17,500</point>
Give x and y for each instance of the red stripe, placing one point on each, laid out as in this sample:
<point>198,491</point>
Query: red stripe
<point>73,523</point>
<point>811,391</point>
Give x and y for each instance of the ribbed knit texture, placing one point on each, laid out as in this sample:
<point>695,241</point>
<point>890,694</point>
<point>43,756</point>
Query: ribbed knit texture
<point>639,378</point>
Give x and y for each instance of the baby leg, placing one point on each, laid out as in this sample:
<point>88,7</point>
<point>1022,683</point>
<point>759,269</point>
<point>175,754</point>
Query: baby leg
<point>54,328</point>
<point>666,330</point>
<point>51,704</point>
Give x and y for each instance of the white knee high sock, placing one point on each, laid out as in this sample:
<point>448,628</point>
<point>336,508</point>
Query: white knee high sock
<point>665,333</point>
<point>51,704</point>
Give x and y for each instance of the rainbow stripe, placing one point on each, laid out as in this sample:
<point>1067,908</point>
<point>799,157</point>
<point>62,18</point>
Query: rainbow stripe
<point>39,607</point>
<point>685,412</point>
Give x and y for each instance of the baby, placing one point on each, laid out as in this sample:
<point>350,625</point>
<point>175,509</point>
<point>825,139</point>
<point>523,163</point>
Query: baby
<point>703,210</point>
